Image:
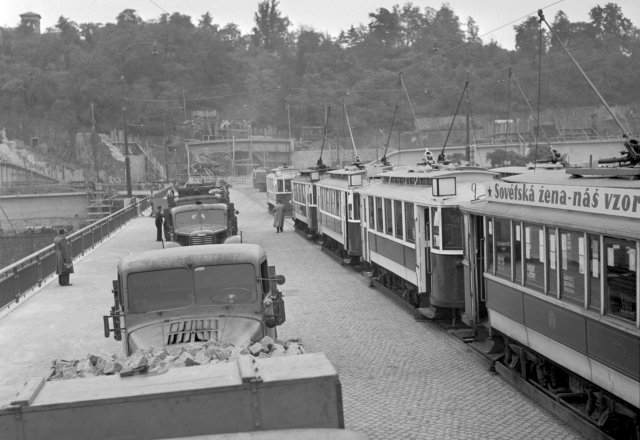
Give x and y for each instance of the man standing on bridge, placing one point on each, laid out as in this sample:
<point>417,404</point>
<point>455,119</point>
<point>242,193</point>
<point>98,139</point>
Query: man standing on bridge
<point>159,223</point>
<point>64,260</point>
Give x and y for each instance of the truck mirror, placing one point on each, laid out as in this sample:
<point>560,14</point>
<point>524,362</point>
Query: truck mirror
<point>105,321</point>
<point>280,279</point>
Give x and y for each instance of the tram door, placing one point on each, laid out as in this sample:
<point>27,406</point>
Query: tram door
<point>426,257</point>
<point>475,282</point>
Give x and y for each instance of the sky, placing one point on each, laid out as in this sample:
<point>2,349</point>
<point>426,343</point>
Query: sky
<point>495,18</point>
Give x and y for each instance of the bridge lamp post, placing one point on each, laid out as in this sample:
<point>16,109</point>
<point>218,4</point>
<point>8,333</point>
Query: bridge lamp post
<point>127,162</point>
<point>467,150</point>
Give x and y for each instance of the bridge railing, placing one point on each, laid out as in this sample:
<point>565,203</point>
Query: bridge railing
<point>31,271</point>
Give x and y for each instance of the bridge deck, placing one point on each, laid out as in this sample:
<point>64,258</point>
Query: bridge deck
<point>46,325</point>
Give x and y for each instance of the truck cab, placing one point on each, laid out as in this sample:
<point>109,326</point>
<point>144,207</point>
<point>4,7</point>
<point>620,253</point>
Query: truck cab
<point>184,295</point>
<point>207,228</point>
<point>200,224</point>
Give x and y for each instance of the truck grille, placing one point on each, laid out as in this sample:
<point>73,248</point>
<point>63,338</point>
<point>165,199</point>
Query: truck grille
<point>194,330</point>
<point>201,239</point>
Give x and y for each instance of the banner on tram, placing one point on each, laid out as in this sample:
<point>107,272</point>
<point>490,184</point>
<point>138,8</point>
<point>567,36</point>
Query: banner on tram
<point>623,202</point>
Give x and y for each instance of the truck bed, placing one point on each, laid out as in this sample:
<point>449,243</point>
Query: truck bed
<point>250,394</point>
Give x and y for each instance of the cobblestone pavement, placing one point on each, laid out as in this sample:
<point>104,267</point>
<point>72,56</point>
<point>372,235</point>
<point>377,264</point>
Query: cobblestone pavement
<point>401,378</point>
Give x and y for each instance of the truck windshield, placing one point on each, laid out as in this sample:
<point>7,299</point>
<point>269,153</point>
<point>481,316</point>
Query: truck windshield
<point>158,290</point>
<point>204,216</point>
<point>226,284</point>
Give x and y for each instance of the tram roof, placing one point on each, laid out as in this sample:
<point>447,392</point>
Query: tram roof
<point>423,172</point>
<point>550,177</point>
<point>422,194</point>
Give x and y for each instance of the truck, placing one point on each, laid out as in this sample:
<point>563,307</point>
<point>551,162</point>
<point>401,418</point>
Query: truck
<point>211,217</point>
<point>289,397</point>
<point>225,293</point>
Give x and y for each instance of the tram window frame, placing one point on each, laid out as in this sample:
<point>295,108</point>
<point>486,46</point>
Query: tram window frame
<point>435,228</point>
<point>572,268</point>
<point>534,260</point>
<point>552,272</point>
<point>379,223</point>
<point>388,217</point>
<point>356,206</point>
<point>451,226</point>
<point>372,213</point>
<point>504,266</point>
<point>611,255</point>
<point>489,250</point>
<point>410,223</point>
<point>517,250</point>
<point>399,219</point>
<point>594,272</point>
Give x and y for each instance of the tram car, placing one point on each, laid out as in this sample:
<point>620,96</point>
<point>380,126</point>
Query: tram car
<point>551,270</point>
<point>304,200</point>
<point>339,212</point>
<point>259,179</point>
<point>279,188</point>
<point>412,233</point>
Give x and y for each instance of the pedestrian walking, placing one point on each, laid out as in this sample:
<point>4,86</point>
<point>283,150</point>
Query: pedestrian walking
<point>64,260</point>
<point>159,223</point>
<point>172,194</point>
<point>278,217</point>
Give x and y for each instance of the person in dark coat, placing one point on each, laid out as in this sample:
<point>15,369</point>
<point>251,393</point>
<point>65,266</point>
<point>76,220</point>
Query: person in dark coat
<point>64,260</point>
<point>159,223</point>
<point>278,217</point>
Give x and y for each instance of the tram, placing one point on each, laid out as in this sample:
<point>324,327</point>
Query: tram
<point>304,199</point>
<point>412,233</point>
<point>550,269</point>
<point>278,183</point>
<point>339,211</point>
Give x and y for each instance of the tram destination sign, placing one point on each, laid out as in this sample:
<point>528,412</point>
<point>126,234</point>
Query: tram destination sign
<point>623,202</point>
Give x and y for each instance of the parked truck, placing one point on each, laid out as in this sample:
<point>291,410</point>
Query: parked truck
<point>226,293</point>
<point>299,393</point>
<point>201,214</point>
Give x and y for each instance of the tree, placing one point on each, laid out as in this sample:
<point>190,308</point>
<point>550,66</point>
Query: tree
<point>385,26</point>
<point>128,16</point>
<point>473,31</point>
<point>271,27</point>
<point>528,37</point>
<point>68,30</point>
<point>611,27</point>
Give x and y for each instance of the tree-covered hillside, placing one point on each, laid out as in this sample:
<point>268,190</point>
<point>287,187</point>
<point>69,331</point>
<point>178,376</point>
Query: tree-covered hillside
<point>278,75</point>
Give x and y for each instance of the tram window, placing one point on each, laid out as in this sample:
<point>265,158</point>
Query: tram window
<point>397,211</point>
<point>517,251</point>
<point>621,278</point>
<point>287,185</point>
<point>489,246</point>
<point>553,261</point>
<point>502,230</point>
<point>594,271</point>
<point>378,214</point>
<point>572,266</point>
<point>372,213</point>
<point>336,206</point>
<point>451,229</point>
<point>534,254</point>
<point>388,217</point>
<point>410,225</point>
<point>356,206</point>
<point>435,228</point>
<point>280,185</point>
